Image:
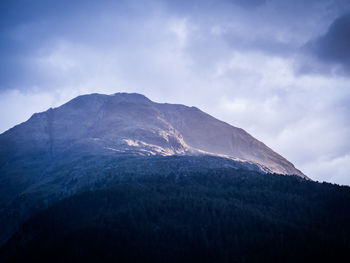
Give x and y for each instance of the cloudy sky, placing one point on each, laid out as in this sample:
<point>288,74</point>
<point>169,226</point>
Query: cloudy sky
<point>279,69</point>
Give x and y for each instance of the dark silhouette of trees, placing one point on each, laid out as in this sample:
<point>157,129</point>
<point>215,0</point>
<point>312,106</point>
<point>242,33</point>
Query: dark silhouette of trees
<point>221,215</point>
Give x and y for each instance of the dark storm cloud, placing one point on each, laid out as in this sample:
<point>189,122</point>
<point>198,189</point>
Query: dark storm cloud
<point>333,48</point>
<point>192,5</point>
<point>29,29</point>
<point>249,3</point>
<point>25,27</point>
<point>263,44</point>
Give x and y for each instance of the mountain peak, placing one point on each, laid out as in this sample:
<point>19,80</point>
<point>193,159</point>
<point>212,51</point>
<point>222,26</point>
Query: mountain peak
<point>136,97</point>
<point>95,100</point>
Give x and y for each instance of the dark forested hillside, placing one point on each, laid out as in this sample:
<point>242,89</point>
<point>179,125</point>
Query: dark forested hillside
<point>222,215</point>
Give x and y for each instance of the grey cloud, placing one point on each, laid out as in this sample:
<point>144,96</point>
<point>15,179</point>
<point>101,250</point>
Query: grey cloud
<point>266,45</point>
<point>248,3</point>
<point>31,29</point>
<point>330,53</point>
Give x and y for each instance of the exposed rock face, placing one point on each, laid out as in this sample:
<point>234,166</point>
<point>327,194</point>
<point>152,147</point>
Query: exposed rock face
<point>130,123</point>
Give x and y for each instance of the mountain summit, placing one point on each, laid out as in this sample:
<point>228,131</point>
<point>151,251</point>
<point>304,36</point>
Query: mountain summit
<point>131,124</point>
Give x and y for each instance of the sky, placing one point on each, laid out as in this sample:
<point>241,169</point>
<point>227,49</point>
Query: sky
<point>278,69</point>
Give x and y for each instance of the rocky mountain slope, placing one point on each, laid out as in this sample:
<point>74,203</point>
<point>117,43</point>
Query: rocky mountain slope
<point>119,125</point>
<point>123,125</point>
<point>131,123</point>
<point>78,145</point>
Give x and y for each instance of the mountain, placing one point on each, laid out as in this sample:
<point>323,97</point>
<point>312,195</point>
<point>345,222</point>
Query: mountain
<point>57,152</point>
<point>106,178</point>
<point>120,125</point>
<point>132,124</point>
